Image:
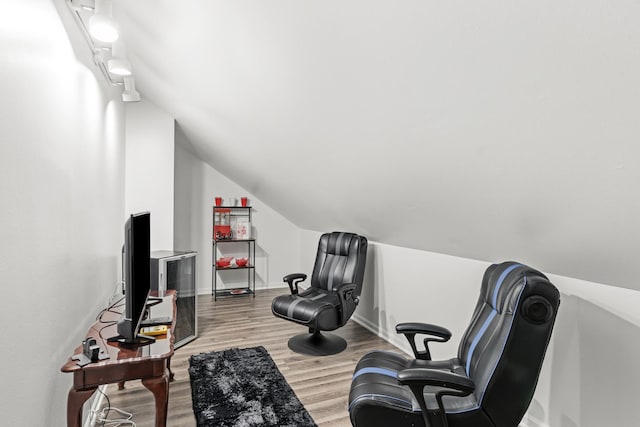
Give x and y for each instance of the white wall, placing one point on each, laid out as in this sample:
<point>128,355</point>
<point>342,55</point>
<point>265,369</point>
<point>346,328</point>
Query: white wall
<point>590,373</point>
<point>61,187</point>
<point>196,185</point>
<point>149,169</point>
<point>457,127</point>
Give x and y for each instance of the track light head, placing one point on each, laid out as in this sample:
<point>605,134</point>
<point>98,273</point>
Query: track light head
<point>118,64</point>
<point>119,67</point>
<point>102,27</point>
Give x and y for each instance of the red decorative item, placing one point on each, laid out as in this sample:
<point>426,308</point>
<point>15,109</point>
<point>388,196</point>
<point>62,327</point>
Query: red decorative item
<point>224,262</point>
<point>223,232</point>
<point>241,262</point>
<point>222,224</point>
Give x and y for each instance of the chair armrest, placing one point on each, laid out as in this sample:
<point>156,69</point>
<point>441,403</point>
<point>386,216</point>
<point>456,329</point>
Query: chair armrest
<point>446,383</point>
<point>345,293</point>
<point>410,330</point>
<point>293,280</point>
<point>461,385</point>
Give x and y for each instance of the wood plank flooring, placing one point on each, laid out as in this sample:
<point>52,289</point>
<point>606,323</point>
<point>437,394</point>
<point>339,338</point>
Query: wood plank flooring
<point>321,383</point>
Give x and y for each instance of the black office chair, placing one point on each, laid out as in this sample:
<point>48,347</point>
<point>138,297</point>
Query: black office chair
<point>489,384</point>
<point>331,299</point>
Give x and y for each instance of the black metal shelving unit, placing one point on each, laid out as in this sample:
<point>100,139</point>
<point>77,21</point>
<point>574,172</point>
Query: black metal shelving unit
<point>225,216</point>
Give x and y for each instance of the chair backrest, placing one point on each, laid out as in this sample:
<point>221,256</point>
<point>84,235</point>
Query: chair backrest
<point>504,345</point>
<point>340,259</point>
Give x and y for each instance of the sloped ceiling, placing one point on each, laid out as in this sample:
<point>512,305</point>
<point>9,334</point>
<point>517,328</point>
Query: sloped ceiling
<point>487,130</point>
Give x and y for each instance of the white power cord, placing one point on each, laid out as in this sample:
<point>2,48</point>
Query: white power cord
<point>99,417</point>
<point>115,422</point>
<point>96,402</point>
<point>118,291</point>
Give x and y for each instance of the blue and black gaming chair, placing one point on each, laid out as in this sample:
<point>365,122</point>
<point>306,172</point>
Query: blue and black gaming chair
<point>491,381</point>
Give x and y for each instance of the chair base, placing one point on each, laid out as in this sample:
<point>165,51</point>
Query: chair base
<point>317,344</point>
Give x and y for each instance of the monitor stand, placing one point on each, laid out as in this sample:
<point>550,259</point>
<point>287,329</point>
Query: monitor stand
<point>127,335</point>
<point>139,340</point>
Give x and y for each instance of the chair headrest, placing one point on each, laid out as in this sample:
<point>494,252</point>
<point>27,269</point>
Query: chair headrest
<point>338,243</point>
<point>500,279</point>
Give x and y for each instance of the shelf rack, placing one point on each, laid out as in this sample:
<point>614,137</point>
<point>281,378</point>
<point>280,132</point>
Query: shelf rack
<point>225,219</point>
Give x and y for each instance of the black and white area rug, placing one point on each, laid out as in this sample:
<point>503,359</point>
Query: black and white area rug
<point>243,388</point>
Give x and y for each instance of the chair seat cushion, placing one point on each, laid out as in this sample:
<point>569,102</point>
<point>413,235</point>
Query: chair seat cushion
<point>375,379</point>
<point>315,308</point>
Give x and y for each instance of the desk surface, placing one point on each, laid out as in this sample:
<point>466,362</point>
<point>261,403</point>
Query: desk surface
<point>106,327</point>
<point>149,363</point>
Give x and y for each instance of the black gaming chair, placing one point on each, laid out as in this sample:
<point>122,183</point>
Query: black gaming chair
<point>331,299</point>
<point>489,384</point>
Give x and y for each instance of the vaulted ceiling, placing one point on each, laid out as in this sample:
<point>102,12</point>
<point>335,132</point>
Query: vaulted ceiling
<point>487,130</point>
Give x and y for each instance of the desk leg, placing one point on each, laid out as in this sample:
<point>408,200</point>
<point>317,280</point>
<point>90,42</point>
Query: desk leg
<point>170,371</point>
<point>75,400</point>
<point>159,386</point>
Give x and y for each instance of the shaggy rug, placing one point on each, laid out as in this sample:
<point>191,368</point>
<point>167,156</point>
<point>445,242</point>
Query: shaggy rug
<point>243,388</point>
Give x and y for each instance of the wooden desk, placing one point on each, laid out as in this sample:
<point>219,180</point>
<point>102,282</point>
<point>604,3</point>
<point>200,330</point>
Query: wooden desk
<point>149,363</point>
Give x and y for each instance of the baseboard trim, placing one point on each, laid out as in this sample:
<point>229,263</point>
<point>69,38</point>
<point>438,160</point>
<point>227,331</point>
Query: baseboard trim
<point>531,421</point>
<point>207,290</point>
<point>389,336</point>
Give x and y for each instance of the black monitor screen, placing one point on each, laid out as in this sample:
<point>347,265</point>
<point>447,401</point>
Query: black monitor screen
<point>136,274</point>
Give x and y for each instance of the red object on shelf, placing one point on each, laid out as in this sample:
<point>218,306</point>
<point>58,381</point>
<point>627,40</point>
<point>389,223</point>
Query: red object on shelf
<point>241,262</point>
<point>218,201</point>
<point>224,262</point>
<point>222,232</point>
<point>222,224</point>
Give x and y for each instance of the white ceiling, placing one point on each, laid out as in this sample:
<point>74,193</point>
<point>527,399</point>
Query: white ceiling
<point>489,130</point>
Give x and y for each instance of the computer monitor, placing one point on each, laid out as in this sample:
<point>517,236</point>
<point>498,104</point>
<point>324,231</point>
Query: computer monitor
<point>136,276</point>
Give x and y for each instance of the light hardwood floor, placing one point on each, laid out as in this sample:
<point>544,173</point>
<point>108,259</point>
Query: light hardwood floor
<point>321,383</point>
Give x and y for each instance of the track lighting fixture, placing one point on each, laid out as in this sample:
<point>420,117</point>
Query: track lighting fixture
<point>118,63</point>
<point>102,27</point>
<point>101,33</point>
